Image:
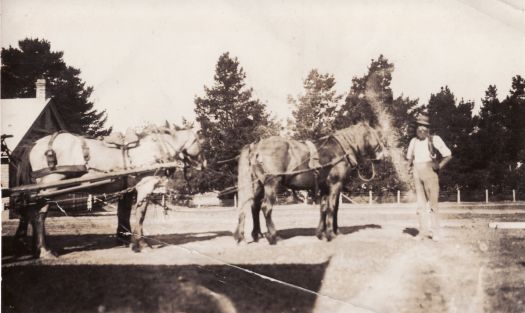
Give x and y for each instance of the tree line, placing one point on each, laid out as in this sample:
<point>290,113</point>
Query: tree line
<point>488,147</point>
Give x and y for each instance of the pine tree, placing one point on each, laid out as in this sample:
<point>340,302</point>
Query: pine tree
<point>314,111</point>
<point>230,118</point>
<point>515,143</point>
<point>371,99</point>
<point>22,66</point>
<point>368,94</point>
<point>455,125</point>
<point>516,106</point>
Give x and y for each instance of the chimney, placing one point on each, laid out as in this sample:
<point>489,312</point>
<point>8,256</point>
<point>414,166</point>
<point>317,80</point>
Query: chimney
<point>41,89</point>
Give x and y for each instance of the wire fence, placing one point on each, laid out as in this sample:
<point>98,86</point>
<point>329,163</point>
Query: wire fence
<point>444,196</point>
<point>384,197</point>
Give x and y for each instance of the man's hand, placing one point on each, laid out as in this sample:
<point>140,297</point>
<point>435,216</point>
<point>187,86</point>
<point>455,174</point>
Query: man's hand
<point>444,162</point>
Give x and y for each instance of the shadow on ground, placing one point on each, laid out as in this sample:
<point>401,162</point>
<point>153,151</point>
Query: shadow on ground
<point>65,244</point>
<point>131,288</point>
<point>13,251</point>
<point>295,232</point>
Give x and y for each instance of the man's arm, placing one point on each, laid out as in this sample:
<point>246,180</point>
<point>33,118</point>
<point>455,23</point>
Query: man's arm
<point>444,161</point>
<point>444,150</point>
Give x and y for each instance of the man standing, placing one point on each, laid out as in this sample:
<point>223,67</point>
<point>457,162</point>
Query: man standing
<point>422,154</point>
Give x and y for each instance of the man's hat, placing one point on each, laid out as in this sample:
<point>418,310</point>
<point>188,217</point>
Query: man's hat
<point>422,119</point>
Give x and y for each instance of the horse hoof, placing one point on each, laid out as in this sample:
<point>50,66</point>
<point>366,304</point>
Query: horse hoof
<point>239,237</point>
<point>319,235</point>
<point>135,248</point>
<point>140,245</point>
<point>47,255</point>
<point>256,236</point>
<point>272,239</point>
<point>330,236</point>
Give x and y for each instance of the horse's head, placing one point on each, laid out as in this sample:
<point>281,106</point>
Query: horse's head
<point>372,146</point>
<point>190,147</point>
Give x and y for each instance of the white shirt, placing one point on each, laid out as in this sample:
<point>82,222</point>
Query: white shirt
<point>419,149</point>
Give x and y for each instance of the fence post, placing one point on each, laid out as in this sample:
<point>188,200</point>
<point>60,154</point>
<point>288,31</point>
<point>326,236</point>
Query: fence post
<point>90,202</point>
<point>459,196</point>
<point>340,198</point>
<point>235,201</point>
<point>398,196</point>
<point>486,196</point>
<point>513,195</point>
<point>370,197</point>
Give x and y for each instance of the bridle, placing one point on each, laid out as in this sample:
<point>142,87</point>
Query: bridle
<point>376,150</point>
<point>185,156</point>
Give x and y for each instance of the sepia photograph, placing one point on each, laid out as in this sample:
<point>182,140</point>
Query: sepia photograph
<point>262,156</point>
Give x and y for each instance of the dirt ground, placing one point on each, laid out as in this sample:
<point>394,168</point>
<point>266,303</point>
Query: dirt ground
<point>374,265</point>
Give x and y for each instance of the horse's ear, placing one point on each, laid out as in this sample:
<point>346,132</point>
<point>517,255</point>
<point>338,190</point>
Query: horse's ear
<point>167,124</point>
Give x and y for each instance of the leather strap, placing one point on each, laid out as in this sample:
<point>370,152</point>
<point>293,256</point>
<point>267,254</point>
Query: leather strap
<point>314,155</point>
<point>51,154</point>
<point>431,147</point>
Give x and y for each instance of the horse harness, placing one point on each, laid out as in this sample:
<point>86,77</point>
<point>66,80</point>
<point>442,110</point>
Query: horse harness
<point>124,142</point>
<point>117,141</point>
<point>52,162</point>
<point>347,144</point>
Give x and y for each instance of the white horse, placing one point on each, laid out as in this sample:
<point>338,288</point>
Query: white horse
<point>64,155</point>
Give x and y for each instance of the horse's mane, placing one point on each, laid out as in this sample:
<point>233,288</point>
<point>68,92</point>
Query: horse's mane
<point>347,131</point>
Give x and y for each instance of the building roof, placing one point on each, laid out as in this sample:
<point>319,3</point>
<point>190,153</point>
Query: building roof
<point>17,117</point>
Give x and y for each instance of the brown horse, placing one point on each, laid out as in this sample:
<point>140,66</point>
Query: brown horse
<point>293,164</point>
<point>64,155</point>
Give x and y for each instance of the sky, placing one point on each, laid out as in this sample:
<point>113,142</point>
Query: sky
<point>148,60</point>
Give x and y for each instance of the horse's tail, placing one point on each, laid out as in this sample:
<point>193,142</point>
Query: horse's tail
<point>245,190</point>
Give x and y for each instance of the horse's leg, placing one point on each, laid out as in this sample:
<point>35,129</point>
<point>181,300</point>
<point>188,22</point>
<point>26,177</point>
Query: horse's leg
<point>144,188</point>
<point>256,209</point>
<point>20,244</point>
<point>21,231</point>
<point>238,234</point>
<point>270,194</point>
<point>37,216</point>
<point>332,199</point>
<point>245,202</point>
<point>336,211</point>
<point>245,185</point>
<point>123,216</point>
<point>322,219</point>
<point>138,242</point>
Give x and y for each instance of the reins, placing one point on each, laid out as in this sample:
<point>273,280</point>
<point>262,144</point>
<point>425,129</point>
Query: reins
<point>367,179</point>
<point>312,169</point>
<point>295,172</point>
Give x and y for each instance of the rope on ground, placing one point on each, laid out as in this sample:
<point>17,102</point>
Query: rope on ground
<point>245,270</point>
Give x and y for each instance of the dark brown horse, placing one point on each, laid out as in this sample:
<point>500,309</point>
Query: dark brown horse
<point>322,166</point>
<point>64,155</point>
